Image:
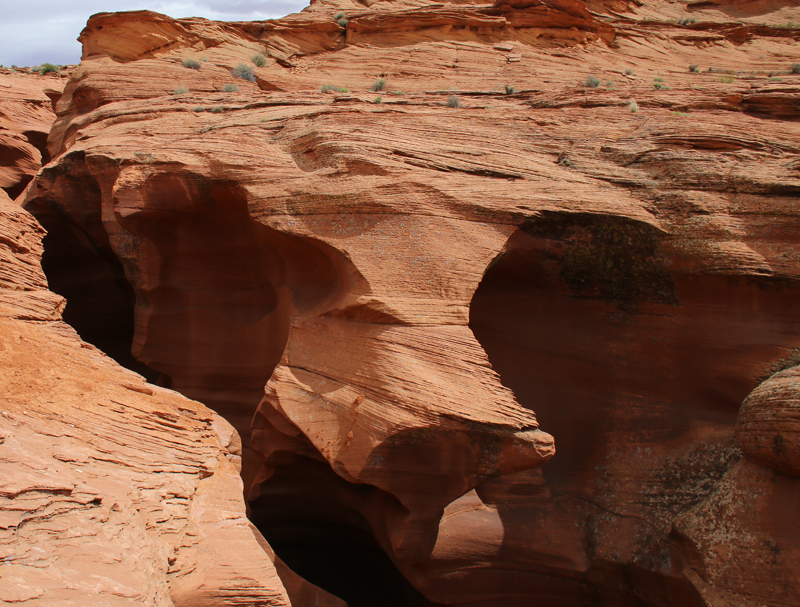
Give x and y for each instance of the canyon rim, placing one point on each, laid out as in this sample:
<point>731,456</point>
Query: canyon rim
<point>406,304</point>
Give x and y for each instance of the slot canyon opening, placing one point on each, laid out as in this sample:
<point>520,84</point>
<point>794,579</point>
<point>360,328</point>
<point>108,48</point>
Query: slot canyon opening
<point>176,281</point>
<point>17,158</point>
<point>316,522</point>
<point>598,328</point>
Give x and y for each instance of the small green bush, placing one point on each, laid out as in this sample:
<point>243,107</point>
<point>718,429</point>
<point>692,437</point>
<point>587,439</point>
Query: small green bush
<point>180,90</point>
<point>454,101</point>
<point>378,85</point>
<point>726,79</point>
<point>337,16</point>
<point>217,109</point>
<point>686,21</point>
<point>229,88</point>
<point>332,87</point>
<point>342,22</point>
<point>658,80</point>
<point>398,93</point>
<point>378,99</point>
<point>259,59</point>
<point>199,108</point>
<point>660,86</point>
<point>46,68</point>
<point>243,71</point>
<point>629,71</point>
<point>795,69</point>
<point>509,89</point>
<point>694,68</point>
<point>192,64</point>
<point>592,82</point>
<point>633,106</point>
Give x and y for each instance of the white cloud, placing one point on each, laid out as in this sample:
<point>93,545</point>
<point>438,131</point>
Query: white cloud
<point>38,31</point>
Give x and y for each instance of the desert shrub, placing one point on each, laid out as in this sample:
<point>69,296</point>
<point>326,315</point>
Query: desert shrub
<point>339,15</point>
<point>46,68</point>
<point>192,64</point>
<point>243,71</point>
<point>686,21</point>
<point>199,108</point>
<point>658,84</point>
<point>259,59</point>
<point>633,107</point>
<point>229,88</point>
<point>378,99</point>
<point>378,85</point>
<point>509,89</point>
<point>342,22</point>
<point>795,69</point>
<point>332,87</point>
<point>694,68</point>
<point>454,101</point>
<point>592,82</point>
<point>726,79</point>
<point>398,93</point>
<point>629,71</point>
<point>180,90</point>
<point>217,109</point>
<point>610,84</point>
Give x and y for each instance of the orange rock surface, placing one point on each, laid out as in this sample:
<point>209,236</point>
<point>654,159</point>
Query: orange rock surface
<point>575,214</point>
<point>26,116</point>
<point>112,491</point>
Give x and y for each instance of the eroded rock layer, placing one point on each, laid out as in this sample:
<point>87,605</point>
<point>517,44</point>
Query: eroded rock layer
<point>113,491</point>
<point>586,210</point>
<point>26,115</point>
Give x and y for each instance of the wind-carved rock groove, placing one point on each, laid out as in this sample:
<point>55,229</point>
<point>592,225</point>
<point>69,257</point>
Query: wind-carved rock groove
<point>167,272</point>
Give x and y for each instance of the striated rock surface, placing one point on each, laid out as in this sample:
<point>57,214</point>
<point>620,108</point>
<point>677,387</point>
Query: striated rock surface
<point>112,491</point>
<point>26,116</point>
<point>583,210</point>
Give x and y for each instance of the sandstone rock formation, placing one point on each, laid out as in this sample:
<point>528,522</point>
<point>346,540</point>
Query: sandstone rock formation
<point>586,210</point>
<point>112,491</point>
<point>26,117</point>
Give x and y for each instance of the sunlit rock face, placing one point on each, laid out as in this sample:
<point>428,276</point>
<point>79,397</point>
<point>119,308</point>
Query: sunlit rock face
<point>519,214</point>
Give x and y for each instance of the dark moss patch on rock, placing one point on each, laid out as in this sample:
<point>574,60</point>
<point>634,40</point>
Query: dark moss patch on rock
<point>613,258</point>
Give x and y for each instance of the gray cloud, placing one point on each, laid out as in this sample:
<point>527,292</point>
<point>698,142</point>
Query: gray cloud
<point>38,31</point>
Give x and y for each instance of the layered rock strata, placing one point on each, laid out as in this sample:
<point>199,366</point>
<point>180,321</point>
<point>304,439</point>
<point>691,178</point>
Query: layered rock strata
<point>113,491</point>
<point>27,114</point>
<point>586,210</point>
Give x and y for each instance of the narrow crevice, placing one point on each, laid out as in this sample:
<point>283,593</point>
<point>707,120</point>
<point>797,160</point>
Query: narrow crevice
<point>317,524</point>
<point>185,288</point>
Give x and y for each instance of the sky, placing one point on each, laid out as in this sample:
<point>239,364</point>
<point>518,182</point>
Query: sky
<point>33,32</point>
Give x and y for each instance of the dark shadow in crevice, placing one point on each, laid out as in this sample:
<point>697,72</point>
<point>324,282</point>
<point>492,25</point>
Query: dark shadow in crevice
<point>310,516</point>
<point>100,302</point>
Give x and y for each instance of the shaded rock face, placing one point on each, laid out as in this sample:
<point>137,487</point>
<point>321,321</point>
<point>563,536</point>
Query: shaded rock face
<point>386,296</point>
<point>112,491</point>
